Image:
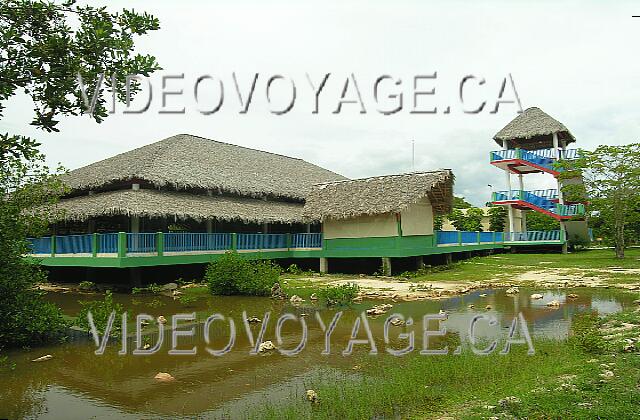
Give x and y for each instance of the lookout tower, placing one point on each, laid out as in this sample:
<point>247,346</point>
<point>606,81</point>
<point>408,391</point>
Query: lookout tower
<point>532,143</point>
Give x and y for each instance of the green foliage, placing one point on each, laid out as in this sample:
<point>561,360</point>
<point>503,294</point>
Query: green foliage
<point>460,203</point>
<point>339,295</point>
<point>43,47</point>
<point>153,288</point>
<point>497,218</point>
<point>438,221</point>
<point>585,335</point>
<point>100,310</point>
<point>294,269</point>
<point>186,300</point>
<point>541,221</point>
<point>232,274</point>
<point>65,40</point>
<point>471,220</point>
<point>611,176</point>
<point>87,285</point>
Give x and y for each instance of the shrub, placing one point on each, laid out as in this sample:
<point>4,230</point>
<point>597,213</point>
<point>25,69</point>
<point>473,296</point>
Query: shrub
<point>234,275</point>
<point>101,310</point>
<point>339,295</point>
<point>87,285</point>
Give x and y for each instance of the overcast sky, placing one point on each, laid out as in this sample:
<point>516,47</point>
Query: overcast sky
<point>575,60</point>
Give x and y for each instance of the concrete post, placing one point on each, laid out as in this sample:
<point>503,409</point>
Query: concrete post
<point>386,266</point>
<point>324,265</point>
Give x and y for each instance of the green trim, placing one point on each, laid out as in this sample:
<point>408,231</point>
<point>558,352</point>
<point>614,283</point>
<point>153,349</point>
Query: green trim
<point>234,241</point>
<point>122,245</point>
<point>160,243</point>
<point>94,245</point>
<point>459,238</point>
<point>53,245</point>
<point>399,224</point>
<point>289,239</point>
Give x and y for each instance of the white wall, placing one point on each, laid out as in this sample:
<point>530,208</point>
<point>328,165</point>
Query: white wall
<point>378,225</point>
<point>417,219</point>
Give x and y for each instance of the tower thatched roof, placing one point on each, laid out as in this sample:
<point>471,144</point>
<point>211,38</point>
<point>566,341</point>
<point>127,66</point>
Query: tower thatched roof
<point>154,203</point>
<point>190,162</point>
<point>533,129</point>
<point>381,194</point>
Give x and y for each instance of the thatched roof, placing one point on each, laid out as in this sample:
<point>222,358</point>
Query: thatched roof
<point>154,203</point>
<point>533,129</point>
<point>382,194</point>
<point>190,162</point>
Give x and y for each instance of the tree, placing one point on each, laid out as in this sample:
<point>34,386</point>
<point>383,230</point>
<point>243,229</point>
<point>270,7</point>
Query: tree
<point>43,48</point>
<point>541,221</point>
<point>460,203</point>
<point>611,177</point>
<point>497,218</point>
<point>471,220</point>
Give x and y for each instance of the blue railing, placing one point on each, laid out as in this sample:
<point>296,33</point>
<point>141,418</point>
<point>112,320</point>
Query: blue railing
<point>541,157</point>
<point>73,244</point>
<point>540,201</point>
<point>141,243</point>
<point>108,243</point>
<point>486,236</point>
<point>262,241</point>
<point>533,236</point>
<point>182,242</point>
<point>447,237</point>
<point>306,240</point>
<point>40,245</point>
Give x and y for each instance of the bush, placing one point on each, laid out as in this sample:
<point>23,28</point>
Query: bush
<point>101,310</point>
<point>234,275</point>
<point>339,295</point>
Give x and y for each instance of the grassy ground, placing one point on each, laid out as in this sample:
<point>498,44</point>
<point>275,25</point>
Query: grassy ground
<point>591,263</point>
<point>583,377</point>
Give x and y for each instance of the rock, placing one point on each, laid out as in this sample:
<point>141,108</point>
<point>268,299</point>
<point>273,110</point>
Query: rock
<point>146,346</point>
<point>266,346</point>
<point>509,402</point>
<point>162,320</point>
<point>312,396</point>
<point>607,374</point>
<point>483,295</point>
<point>277,292</point>
<point>313,296</point>
<point>43,358</point>
<point>303,314</point>
<point>379,309</point>
<point>553,304</point>
<point>536,296</point>
<point>471,306</point>
<point>488,307</point>
<point>254,320</point>
<point>397,322</point>
<point>637,302</point>
<point>572,296</point>
<point>168,287</point>
<point>295,299</point>
<point>164,377</point>
<point>513,291</point>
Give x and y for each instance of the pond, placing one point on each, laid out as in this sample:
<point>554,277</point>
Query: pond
<point>77,383</point>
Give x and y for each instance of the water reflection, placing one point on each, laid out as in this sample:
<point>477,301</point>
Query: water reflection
<point>79,384</point>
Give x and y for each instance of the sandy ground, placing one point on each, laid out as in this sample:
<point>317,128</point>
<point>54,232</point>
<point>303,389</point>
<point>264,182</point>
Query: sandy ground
<point>408,289</point>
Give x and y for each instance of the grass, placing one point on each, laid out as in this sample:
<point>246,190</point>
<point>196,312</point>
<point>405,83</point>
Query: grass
<point>507,265</point>
<point>562,380</point>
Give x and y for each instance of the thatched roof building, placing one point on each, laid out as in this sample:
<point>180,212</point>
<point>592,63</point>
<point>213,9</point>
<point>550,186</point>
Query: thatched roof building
<point>181,205</point>
<point>191,162</point>
<point>533,129</point>
<point>381,194</point>
<point>186,176</point>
